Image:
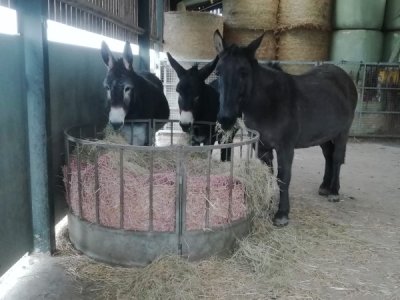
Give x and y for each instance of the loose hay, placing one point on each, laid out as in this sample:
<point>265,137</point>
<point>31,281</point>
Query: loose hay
<point>270,263</point>
<point>312,14</point>
<point>255,14</point>
<point>247,190</point>
<point>303,45</point>
<point>242,37</point>
<point>189,35</point>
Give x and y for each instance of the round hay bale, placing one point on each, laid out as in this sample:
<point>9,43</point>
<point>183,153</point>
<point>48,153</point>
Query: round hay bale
<point>242,37</point>
<point>359,14</point>
<point>189,35</point>
<point>254,14</point>
<point>314,14</point>
<point>303,45</point>
<point>357,45</point>
<point>392,15</point>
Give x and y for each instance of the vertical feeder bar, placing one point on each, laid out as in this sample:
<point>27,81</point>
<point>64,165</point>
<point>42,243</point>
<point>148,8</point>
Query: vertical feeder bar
<point>256,149</point>
<point>121,193</point>
<point>78,157</point>
<point>210,133</point>
<point>241,140</point>
<point>97,185</point>
<point>230,187</point>
<point>68,187</point>
<point>207,217</point>
<point>131,124</point>
<point>171,135</point>
<point>151,213</point>
<point>179,195</point>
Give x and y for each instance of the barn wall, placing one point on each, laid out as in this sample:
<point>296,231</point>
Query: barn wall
<point>15,208</point>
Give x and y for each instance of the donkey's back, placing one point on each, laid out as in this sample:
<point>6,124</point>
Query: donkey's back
<point>326,98</point>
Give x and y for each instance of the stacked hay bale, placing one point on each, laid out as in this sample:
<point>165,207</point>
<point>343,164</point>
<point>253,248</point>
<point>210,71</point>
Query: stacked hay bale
<point>189,35</point>
<point>391,45</point>
<point>244,21</point>
<point>358,36</point>
<point>303,31</point>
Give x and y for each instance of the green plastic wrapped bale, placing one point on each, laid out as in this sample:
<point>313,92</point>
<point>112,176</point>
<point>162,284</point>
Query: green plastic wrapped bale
<point>391,47</point>
<point>357,45</point>
<point>392,15</point>
<point>359,14</point>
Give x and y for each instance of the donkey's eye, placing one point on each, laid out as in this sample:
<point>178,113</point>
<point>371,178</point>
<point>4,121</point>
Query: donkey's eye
<point>127,89</point>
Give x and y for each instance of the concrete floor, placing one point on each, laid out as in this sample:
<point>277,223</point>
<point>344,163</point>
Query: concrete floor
<point>371,206</point>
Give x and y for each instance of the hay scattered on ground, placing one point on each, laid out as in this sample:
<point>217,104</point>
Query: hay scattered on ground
<point>270,263</point>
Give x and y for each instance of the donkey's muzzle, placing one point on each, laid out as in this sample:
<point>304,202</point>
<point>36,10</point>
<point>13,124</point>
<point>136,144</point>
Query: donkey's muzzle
<point>226,122</point>
<point>185,127</point>
<point>117,126</point>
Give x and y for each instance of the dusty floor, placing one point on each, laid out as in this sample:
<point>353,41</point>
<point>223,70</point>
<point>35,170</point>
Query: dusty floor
<point>370,210</point>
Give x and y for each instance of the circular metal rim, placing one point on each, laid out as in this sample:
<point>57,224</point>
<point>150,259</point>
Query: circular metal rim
<point>187,148</point>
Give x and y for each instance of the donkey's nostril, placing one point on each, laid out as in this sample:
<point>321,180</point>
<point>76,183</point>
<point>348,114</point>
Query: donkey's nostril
<point>117,126</point>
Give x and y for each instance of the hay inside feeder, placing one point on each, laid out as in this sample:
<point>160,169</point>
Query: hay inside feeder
<point>242,37</point>
<point>254,14</point>
<point>312,14</point>
<point>136,189</point>
<point>189,35</point>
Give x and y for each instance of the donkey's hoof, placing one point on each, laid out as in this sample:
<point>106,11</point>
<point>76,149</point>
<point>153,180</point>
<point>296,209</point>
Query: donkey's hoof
<point>281,220</point>
<point>323,191</point>
<point>333,198</point>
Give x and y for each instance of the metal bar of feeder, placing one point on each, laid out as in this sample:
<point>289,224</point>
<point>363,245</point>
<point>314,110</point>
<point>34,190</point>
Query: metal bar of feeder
<point>121,193</point>
<point>256,150</point>
<point>149,132</point>
<point>153,133</point>
<point>97,185</point>
<point>78,157</point>
<point>210,133</point>
<point>68,171</point>
<point>151,189</point>
<point>241,139</point>
<point>131,124</point>
<point>207,217</point>
<point>230,189</point>
<point>171,135</point>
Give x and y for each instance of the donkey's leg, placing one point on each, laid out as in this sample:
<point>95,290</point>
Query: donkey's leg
<point>267,156</point>
<point>285,160</point>
<point>327,150</point>
<point>338,156</point>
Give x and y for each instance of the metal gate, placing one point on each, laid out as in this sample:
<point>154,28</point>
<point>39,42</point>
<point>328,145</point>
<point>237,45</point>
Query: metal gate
<point>378,86</point>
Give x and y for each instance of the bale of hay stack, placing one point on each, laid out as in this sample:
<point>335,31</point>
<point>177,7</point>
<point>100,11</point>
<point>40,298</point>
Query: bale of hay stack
<point>303,45</point>
<point>255,14</point>
<point>315,14</point>
<point>189,35</point>
<point>242,37</point>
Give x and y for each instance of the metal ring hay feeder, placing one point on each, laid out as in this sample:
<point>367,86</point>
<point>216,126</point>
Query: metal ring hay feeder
<point>131,204</point>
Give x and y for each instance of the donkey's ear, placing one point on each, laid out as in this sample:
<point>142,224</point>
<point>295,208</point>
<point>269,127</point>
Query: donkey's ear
<point>208,68</point>
<point>219,43</point>
<point>180,71</point>
<point>127,56</point>
<point>253,46</point>
<point>107,56</point>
